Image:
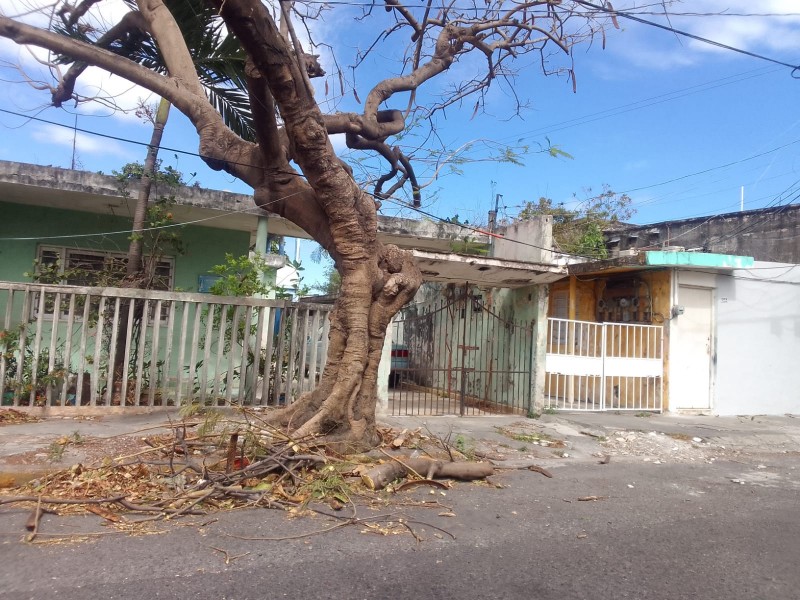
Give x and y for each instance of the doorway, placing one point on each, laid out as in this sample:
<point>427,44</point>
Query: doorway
<point>692,350</point>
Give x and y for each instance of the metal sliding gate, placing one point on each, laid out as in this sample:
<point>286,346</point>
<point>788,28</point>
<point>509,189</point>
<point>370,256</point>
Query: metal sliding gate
<point>458,356</point>
<point>603,366</point>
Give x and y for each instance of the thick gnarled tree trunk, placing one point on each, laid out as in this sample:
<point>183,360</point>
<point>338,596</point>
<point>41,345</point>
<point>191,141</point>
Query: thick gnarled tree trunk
<point>377,280</point>
<point>342,407</point>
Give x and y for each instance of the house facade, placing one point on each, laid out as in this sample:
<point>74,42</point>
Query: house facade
<point>724,328</point>
<point>83,220</point>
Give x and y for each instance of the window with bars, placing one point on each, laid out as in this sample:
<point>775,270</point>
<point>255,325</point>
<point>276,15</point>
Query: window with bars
<point>74,266</point>
<point>90,268</point>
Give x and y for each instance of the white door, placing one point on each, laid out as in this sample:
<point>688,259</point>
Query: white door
<point>690,356</point>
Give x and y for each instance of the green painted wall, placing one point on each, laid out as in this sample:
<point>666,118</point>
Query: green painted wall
<point>206,246</point>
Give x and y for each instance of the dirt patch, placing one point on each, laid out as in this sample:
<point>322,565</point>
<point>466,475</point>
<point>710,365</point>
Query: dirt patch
<point>660,448</point>
<point>67,450</point>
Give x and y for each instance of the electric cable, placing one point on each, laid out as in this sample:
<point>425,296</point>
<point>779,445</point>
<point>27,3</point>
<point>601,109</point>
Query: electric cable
<point>795,68</point>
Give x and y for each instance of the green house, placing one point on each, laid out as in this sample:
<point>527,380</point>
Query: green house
<point>82,218</point>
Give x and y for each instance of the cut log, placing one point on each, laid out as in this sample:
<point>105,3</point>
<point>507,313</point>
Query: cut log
<point>382,475</point>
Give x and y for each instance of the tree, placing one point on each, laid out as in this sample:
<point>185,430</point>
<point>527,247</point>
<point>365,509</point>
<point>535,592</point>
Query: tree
<point>579,230</point>
<point>291,164</point>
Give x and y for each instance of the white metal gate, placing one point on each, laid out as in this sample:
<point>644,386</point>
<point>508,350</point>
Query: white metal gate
<point>603,366</point>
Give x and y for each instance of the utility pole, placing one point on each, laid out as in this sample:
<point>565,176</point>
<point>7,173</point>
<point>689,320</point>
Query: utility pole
<point>493,213</point>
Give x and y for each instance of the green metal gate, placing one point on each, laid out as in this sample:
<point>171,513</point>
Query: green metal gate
<point>457,356</point>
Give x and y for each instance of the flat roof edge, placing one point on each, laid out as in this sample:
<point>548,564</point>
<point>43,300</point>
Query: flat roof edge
<point>697,259</point>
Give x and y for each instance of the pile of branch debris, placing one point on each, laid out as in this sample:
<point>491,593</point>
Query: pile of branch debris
<point>219,463</point>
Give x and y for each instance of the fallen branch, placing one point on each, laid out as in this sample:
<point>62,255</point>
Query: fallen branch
<point>32,524</point>
<point>14,499</point>
<point>380,476</point>
<point>231,455</point>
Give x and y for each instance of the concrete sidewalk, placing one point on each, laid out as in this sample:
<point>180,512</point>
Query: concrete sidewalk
<point>766,433</point>
<point>24,447</point>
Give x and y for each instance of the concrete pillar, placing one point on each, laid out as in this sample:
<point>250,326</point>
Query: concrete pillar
<point>261,242</point>
<point>573,302</point>
<point>384,368</point>
<point>539,347</point>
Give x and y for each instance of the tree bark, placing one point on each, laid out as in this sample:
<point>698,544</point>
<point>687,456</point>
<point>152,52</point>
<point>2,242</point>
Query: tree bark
<point>135,250</point>
<point>134,276</point>
<point>380,476</point>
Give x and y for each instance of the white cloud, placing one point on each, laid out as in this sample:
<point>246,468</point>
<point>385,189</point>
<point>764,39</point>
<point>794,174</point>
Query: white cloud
<point>338,143</point>
<point>88,144</point>
<point>116,96</point>
<point>636,165</point>
<point>776,35</point>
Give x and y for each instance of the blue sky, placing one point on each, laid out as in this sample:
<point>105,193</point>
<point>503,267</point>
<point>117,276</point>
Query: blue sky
<point>650,108</point>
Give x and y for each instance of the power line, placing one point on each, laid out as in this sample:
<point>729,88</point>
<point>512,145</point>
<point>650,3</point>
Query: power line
<point>644,103</point>
<point>144,229</point>
<point>704,171</point>
<point>631,17</point>
<point>121,232</point>
<point>390,199</point>
<point>198,155</point>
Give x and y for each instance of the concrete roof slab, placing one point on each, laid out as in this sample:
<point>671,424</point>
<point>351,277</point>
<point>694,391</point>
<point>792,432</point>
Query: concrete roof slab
<point>37,185</point>
<point>484,271</point>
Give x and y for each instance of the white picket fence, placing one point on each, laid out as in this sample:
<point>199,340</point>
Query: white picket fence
<point>73,346</point>
<point>603,366</point>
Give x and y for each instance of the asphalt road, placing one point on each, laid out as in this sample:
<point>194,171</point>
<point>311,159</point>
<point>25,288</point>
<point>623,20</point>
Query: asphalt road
<point>658,531</point>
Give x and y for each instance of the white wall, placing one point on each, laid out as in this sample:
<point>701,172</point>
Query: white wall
<point>758,341</point>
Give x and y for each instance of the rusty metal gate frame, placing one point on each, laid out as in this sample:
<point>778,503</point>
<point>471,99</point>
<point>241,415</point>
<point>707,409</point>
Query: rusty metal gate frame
<point>457,356</point>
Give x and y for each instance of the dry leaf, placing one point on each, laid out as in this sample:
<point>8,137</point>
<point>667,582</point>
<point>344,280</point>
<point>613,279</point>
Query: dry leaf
<point>105,513</point>
<point>613,16</point>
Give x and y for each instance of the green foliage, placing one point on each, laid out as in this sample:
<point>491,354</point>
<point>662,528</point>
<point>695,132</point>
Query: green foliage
<point>464,446</point>
<point>579,230</point>
<point>217,55</point>
<point>332,282</point>
<point>134,171</point>
<point>160,234</point>
<point>160,237</point>
<point>329,485</point>
<point>469,246</point>
<point>241,276</point>
<point>26,373</point>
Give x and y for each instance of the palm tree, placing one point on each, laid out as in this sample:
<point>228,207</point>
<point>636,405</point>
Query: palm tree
<point>219,61</point>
